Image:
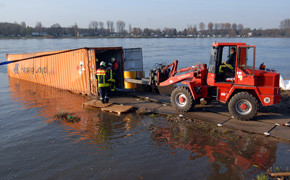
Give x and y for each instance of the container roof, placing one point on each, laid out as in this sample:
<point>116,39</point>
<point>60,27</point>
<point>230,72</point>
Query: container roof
<point>69,50</point>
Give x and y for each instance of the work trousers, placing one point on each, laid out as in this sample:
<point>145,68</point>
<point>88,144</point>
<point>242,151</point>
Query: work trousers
<point>225,66</point>
<point>113,87</point>
<point>104,94</point>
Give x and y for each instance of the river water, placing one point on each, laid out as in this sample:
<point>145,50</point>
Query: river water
<point>104,146</point>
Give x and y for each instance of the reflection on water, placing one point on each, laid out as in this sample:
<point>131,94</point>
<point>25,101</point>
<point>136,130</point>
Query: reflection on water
<point>105,146</point>
<point>95,126</point>
<point>228,156</point>
<point>99,128</point>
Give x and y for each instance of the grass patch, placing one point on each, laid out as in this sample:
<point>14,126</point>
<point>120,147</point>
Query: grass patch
<point>262,176</point>
<point>153,116</point>
<point>169,116</point>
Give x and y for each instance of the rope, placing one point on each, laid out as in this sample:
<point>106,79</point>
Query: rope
<point>14,61</point>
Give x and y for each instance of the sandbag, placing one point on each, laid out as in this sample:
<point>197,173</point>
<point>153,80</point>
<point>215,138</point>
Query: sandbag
<point>282,83</point>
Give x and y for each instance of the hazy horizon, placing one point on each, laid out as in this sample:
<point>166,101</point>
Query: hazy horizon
<point>152,14</point>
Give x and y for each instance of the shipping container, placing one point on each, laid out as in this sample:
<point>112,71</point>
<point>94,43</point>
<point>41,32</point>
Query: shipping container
<point>73,69</point>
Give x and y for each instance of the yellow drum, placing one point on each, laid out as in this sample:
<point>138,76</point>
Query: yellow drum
<point>132,75</point>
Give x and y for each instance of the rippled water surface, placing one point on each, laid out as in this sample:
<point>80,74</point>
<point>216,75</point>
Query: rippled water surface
<point>34,145</point>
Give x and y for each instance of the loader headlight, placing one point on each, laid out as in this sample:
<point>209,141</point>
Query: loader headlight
<point>267,100</point>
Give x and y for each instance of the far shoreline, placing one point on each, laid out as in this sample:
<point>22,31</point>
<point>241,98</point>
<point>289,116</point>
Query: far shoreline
<point>143,37</point>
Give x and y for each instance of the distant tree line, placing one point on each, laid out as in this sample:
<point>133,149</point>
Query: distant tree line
<point>118,29</point>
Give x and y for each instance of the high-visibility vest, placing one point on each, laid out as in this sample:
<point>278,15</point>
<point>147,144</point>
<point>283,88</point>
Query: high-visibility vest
<point>110,75</point>
<point>102,79</point>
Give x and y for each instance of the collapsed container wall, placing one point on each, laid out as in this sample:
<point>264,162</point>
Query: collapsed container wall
<point>66,70</point>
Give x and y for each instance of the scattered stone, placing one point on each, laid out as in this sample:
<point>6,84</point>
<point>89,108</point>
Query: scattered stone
<point>219,125</point>
<point>147,99</point>
<point>266,134</point>
<point>203,101</point>
<point>190,120</point>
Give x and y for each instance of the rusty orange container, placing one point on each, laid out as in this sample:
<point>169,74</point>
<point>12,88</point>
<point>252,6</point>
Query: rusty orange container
<point>74,69</point>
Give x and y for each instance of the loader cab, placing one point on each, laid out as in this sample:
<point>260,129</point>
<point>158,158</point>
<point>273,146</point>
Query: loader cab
<point>244,63</point>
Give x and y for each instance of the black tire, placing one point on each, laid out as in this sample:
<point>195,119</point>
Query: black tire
<point>182,92</point>
<point>243,106</point>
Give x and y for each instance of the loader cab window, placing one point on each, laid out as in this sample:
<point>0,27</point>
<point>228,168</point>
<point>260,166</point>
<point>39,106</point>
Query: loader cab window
<point>225,56</point>
<point>246,60</point>
<point>213,60</point>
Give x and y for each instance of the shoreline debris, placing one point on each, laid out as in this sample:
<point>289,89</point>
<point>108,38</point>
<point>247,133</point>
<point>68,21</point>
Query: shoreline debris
<point>66,116</point>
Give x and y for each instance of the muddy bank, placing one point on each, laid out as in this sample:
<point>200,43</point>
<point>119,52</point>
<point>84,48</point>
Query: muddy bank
<point>215,113</point>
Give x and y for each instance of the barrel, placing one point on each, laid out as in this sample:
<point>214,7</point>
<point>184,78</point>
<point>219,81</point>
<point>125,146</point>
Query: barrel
<point>132,75</point>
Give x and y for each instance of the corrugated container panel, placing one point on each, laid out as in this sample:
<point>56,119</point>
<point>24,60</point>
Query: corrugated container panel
<point>66,70</point>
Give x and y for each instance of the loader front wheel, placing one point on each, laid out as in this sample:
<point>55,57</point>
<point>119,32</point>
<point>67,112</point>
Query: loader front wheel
<point>243,106</point>
<point>181,99</point>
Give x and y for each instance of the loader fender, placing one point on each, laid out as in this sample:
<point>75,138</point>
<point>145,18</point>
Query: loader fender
<point>251,90</point>
<point>191,86</point>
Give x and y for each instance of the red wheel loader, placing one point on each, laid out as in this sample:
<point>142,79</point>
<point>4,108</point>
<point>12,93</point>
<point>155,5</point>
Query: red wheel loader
<point>243,87</point>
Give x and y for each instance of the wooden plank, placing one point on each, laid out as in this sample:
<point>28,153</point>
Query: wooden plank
<point>282,174</point>
<point>118,109</point>
<point>137,81</point>
<point>96,104</point>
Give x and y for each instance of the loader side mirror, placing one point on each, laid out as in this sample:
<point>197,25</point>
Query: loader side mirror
<point>262,66</point>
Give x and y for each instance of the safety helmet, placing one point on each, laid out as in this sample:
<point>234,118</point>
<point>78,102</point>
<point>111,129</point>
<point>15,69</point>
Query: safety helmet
<point>109,64</point>
<point>103,63</point>
<point>113,59</point>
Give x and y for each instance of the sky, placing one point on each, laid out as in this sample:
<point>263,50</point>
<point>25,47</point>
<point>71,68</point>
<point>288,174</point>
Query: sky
<point>147,13</point>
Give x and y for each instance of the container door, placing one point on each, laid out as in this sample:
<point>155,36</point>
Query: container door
<point>92,68</point>
<point>133,59</point>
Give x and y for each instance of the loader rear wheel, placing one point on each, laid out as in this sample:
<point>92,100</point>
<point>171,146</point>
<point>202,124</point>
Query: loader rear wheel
<point>181,99</point>
<point>243,106</point>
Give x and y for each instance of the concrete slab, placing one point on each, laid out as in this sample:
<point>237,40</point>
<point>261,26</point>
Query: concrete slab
<point>165,110</point>
<point>281,132</point>
<point>136,102</point>
<point>155,96</point>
